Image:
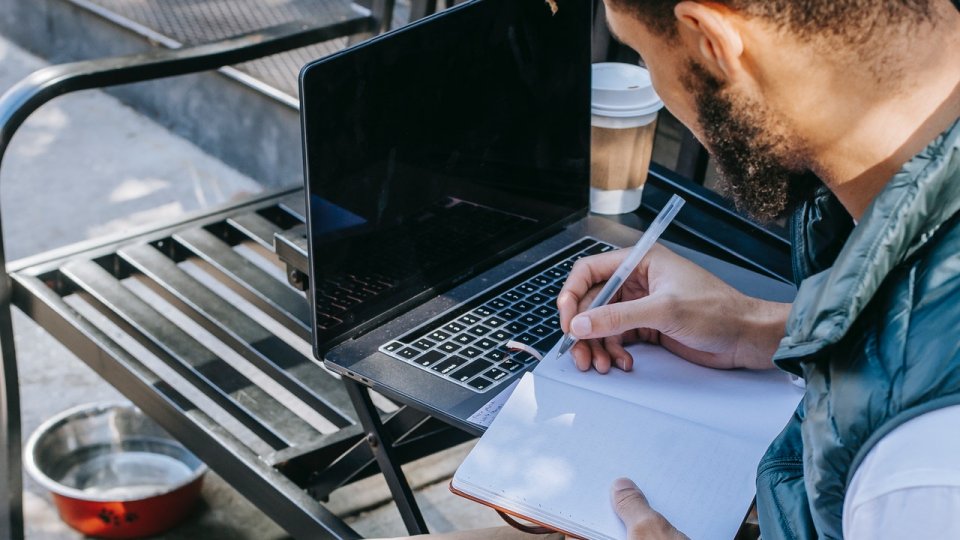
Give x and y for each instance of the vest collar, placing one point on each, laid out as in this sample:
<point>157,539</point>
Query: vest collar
<point>900,220</point>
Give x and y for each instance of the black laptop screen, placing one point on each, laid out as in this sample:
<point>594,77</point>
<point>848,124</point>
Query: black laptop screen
<point>434,151</point>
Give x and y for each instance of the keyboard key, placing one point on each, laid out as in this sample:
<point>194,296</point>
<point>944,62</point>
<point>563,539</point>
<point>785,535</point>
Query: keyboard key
<point>429,358</point>
<point>453,328</point>
<point>510,365</point>
<point>542,281</point>
<point>495,374</point>
<point>512,296</point>
<point>552,322</point>
<point>548,342</point>
<point>541,331</point>
<point>470,352</point>
<point>485,344</point>
<point>526,339</point>
<point>468,320</point>
<point>479,383</point>
<point>498,303</point>
<point>483,311</point>
<point>494,322</point>
<point>522,357</point>
<point>545,311</point>
<point>449,347</point>
<point>466,372</point>
<point>594,249</point>
<point>496,355</point>
<point>499,336</point>
<point>409,353</point>
<point>479,330</point>
<point>508,314</point>
<point>438,335</point>
<point>325,321</point>
<point>392,346</point>
<point>515,328</point>
<point>557,273</point>
<point>537,299</point>
<point>464,339</point>
<point>530,319</point>
<point>424,344</point>
<point>449,365</point>
<point>523,306</point>
<point>551,291</point>
<point>526,288</point>
<point>565,267</point>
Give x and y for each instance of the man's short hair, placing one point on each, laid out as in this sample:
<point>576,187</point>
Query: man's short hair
<point>828,18</point>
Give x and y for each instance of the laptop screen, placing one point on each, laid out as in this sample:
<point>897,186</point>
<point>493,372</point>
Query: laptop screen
<point>435,151</point>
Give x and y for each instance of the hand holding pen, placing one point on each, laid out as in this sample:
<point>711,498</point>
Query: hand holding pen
<point>670,301</point>
<point>643,245</point>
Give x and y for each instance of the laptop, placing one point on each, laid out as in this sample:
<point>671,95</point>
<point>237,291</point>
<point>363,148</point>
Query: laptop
<point>447,175</point>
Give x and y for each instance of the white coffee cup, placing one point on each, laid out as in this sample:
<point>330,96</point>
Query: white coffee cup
<point>624,109</point>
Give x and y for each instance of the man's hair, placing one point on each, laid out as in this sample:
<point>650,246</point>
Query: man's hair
<point>848,19</point>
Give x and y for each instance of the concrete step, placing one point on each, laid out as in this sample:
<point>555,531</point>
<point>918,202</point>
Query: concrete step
<point>245,115</point>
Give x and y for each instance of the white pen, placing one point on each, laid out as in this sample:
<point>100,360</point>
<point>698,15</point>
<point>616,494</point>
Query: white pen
<point>639,251</point>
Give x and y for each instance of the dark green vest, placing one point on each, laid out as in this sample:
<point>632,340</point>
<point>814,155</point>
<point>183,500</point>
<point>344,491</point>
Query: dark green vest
<point>876,336</point>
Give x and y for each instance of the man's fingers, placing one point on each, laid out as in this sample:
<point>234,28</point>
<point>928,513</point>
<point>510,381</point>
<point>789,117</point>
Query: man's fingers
<point>582,355</point>
<point>601,358</point>
<point>618,355</point>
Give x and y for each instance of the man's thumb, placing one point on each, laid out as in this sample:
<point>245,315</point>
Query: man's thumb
<point>619,317</point>
<point>629,502</point>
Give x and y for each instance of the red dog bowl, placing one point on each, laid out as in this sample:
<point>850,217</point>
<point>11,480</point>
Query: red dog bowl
<point>113,472</point>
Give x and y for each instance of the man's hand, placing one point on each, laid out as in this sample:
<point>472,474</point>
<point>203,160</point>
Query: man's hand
<point>671,301</point>
<point>642,521</point>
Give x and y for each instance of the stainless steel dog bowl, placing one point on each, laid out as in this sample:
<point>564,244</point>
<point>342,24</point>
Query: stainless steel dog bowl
<point>113,472</point>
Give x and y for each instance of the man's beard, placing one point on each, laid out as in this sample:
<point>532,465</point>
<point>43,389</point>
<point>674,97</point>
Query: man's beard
<point>766,176</point>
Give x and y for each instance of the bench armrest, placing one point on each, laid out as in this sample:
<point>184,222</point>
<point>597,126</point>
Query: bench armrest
<point>42,86</point>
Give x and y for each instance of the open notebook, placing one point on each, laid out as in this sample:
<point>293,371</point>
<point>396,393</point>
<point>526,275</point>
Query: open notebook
<point>689,436</point>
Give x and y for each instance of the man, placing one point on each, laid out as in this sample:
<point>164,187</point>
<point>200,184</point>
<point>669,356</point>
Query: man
<point>865,96</point>
<point>836,113</point>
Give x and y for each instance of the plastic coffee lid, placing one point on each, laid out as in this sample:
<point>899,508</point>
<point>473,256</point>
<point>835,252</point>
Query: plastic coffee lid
<point>622,91</point>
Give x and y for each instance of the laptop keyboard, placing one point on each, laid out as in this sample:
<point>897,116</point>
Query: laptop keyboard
<point>444,230</point>
<point>467,345</point>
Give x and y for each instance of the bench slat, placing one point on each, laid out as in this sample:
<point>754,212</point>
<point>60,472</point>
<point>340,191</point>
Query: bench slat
<point>295,206</point>
<point>258,228</point>
<point>301,376</point>
<point>250,404</point>
<point>250,281</point>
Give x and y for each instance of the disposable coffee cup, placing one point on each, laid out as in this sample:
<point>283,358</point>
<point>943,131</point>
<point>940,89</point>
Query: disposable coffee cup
<point>624,110</point>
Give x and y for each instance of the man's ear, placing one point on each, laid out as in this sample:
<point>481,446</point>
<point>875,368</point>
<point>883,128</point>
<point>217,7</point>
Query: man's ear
<point>717,37</point>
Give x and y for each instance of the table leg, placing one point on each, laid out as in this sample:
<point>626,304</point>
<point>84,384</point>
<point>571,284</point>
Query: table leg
<point>382,445</point>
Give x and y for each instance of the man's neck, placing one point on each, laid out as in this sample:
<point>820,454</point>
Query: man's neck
<point>865,134</point>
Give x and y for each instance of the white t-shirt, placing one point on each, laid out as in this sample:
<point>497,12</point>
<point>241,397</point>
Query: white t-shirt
<point>908,486</point>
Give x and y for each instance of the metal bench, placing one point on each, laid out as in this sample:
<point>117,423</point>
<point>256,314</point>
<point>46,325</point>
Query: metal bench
<point>285,454</point>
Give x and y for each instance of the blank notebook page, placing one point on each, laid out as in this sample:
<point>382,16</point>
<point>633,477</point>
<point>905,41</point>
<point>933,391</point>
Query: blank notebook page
<point>555,448</point>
